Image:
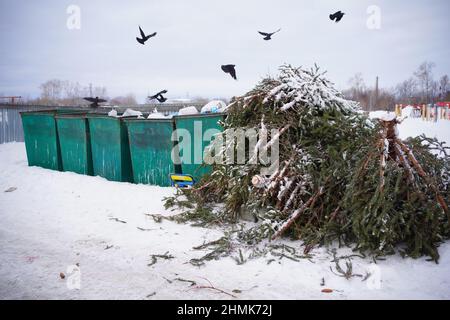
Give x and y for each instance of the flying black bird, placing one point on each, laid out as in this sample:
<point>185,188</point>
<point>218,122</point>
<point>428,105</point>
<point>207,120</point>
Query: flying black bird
<point>161,99</point>
<point>143,37</point>
<point>94,101</point>
<point>159,96</point>
<point>229,68</point>
<point>337,16</point>
<point>267,36</point>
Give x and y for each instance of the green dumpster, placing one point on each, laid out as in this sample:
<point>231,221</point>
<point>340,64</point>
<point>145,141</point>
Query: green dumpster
<point>110,148</point>
<point>75,143</point>
<point>41,138</point>
<point>191,150</point>
<point>151,147</point>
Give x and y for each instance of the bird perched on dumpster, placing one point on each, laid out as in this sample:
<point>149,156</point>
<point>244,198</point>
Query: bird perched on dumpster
<point>143,37</point>
<point>229,68</point>
<point>159,96</point>
<point>267,35</point>
<point>94,101</point>
<point>337,16</point>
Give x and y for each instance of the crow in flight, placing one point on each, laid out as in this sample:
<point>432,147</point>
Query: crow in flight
<point>159,96</point>
<point>337,16</point>
<point>143,37</point>
<point>94,101</point>
<point>229,68</point>
<point>267,36</point>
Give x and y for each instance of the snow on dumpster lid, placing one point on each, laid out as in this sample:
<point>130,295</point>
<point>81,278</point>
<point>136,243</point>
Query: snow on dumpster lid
<point>188,111</point>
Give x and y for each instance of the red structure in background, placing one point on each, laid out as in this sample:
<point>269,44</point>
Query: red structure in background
<point>443,104</point>
<point>429,112</point>
<point>419,106</point>
<point>12,98</point>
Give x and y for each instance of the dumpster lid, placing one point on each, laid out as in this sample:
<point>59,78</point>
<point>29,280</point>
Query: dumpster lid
<point>75,114</point>
<point>135,119</point>
<point>200,115</point>
<point>106,116</point>
<point>52,111</point>
<point>71,115</point>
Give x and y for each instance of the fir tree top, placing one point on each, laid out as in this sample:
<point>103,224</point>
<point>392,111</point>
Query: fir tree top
<point>295,88</point>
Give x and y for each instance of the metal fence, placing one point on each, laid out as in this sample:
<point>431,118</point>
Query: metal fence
<point>11,123</point>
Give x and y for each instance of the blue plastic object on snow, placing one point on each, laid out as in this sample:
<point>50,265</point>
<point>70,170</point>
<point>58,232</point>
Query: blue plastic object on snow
<point>182,180</point>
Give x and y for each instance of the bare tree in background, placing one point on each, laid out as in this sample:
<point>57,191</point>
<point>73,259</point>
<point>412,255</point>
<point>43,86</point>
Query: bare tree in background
<point>51,91</point>
<point>444,87</point>
<point>99,92</point>
<point>427,85</point>
<point>63,92</point>
<point>418,89</point>
<point>358,91</point>
<point>73,93</point>
<point>386,100</point>
<point>406,91</point>
<point>357,85</point>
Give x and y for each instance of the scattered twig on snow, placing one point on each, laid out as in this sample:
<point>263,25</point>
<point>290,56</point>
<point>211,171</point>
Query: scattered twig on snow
<point>222,247</point>
<point>155,257</point>
<point>144,229</point>
<point>192,282</point>
<point>118,220</point>
<point>168,280</point>
<point>285,251</point>
<point>348,273</point>
<point>212,287</point>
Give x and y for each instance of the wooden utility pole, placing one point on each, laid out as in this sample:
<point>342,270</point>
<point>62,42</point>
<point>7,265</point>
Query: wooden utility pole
<point>373,98</point>
<point>375,102</point>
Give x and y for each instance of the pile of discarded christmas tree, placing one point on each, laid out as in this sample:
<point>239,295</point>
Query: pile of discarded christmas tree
<point>340,176</point>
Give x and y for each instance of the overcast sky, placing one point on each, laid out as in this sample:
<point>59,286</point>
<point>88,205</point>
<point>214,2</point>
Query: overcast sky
<point>196,37</point>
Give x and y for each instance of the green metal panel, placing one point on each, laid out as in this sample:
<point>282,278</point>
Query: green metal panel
<point>75,143</point>
<point>151,147</point>
<point>196,125</point>
<point>110,148</point>
<point>41,139</point>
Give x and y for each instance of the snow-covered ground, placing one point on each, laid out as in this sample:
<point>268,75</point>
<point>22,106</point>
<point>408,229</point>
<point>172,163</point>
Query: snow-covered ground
<point>54,221</point>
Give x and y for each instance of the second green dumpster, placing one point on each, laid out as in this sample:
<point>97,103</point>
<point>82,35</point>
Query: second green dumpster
<point>110,148</point>
<point>75,143</point>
